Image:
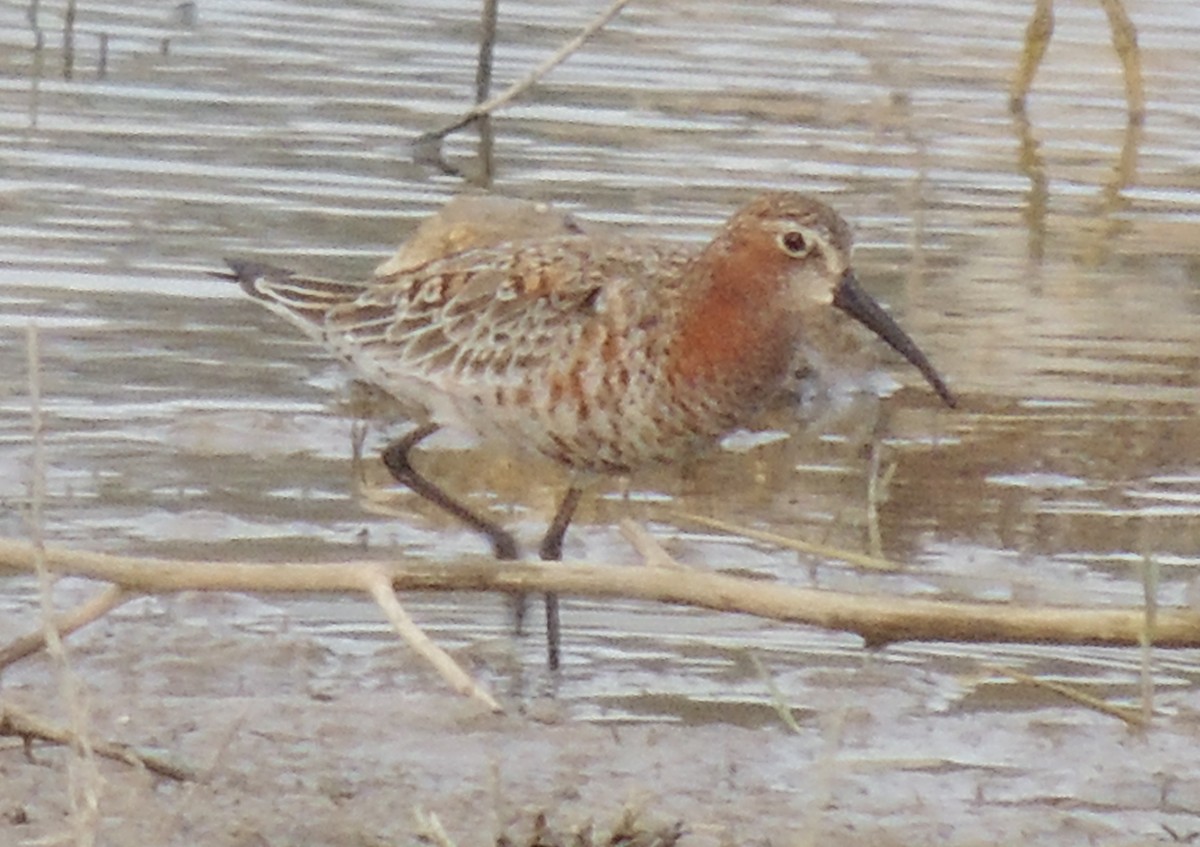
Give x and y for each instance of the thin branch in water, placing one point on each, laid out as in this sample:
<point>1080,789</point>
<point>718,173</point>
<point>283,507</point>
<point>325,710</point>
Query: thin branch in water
<point>1150,581</point>
<point>39,61</point>
<point>826,551</point>
<point>878,620</point>
<point>1133,717</point>
<point>380,587</point>
<point>778,703</point>
<point>79,617</point>
<point>1040,31</point>
<point>647,546</point>
<point>521,86</point>
<point>29,727</point>
<point>487,46</point>
<point>825,771</point>
<point>1124,39</point>
<point>1037,38</point>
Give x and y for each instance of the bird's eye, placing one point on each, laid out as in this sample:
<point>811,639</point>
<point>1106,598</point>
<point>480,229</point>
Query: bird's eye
<point>795,243</point>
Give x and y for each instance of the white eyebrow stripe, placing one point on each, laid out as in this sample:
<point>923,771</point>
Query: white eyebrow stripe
<point>835,262</point>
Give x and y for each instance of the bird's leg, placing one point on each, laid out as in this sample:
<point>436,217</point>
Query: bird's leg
<point>551,551</point>
<point>395,456</point>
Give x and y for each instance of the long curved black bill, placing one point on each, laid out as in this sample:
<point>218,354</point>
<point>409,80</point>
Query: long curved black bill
<point>852,300</point>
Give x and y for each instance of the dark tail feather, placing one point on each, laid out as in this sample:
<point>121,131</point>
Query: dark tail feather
<point>246,273</point>
<point>306,300</point>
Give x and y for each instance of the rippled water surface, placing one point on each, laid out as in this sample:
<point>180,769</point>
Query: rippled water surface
<point>1051,267</point>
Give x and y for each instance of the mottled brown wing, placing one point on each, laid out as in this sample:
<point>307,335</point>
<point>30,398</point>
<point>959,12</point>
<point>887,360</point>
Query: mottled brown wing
<point>486,314</point>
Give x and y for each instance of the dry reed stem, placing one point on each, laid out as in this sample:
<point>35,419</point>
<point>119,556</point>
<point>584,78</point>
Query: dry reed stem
<point>82,772</point>
<point>1039,33</point>
<point>1124,39</point>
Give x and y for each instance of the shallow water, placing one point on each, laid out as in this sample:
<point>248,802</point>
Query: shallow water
<point>1058,291</point>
